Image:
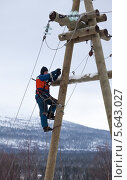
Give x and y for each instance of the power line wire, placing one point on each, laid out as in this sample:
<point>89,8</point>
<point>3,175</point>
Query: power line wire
<point>29,81</point>
<point>56,49</point>
<point>56,52</point>
<point>44,38</point>
<point>80,63</point>
<point>72,34</point>
<point>38,55</point>
<point>27,87</point>
<point>50,64</point>
<point>68,40</point>
<point>87,57</point>
<point>106,12</point>
<point>50,67</point>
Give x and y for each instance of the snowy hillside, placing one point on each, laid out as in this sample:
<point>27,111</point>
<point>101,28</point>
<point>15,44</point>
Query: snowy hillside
<point>16,133</point>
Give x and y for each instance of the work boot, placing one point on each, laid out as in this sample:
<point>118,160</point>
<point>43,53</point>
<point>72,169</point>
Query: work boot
<point>46,129</point>
<point>51,116</point>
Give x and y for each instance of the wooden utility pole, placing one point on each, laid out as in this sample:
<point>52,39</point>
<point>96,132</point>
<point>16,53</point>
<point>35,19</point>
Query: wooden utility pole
<point>100,61</point>
<point>59,111</point>
<point>89,31</point>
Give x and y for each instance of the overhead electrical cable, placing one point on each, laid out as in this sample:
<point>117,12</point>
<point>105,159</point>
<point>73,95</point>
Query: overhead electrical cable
<point>25,95</point>
<point>44,38</point>
<point>38,55</point>
<point>87,57</point>
<point>29,80</point>
<point>67,41</point>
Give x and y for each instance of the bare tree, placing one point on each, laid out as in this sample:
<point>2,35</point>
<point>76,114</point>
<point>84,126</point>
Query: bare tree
<point>101,168</point>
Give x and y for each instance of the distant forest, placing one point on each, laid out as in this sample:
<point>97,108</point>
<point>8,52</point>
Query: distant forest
<point>31,164</point>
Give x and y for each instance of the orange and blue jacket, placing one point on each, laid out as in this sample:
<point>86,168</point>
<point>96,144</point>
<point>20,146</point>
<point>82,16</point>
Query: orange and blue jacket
<point>42,81</point>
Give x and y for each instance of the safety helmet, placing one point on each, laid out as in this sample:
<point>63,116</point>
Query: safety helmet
<point>43,69</point>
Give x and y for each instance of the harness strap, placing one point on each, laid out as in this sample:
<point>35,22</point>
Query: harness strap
<point>42,94</point>
<point>47,96</point>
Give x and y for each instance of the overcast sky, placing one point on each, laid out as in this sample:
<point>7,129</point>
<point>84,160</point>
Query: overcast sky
<point>21,33</point>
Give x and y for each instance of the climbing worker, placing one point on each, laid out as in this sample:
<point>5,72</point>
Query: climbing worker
<point>43,97</point>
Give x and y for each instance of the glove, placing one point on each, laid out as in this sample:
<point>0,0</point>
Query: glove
<point>58,71</point>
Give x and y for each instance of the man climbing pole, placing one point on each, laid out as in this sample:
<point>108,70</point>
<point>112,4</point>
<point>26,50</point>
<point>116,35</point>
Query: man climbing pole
<point>43,96</point>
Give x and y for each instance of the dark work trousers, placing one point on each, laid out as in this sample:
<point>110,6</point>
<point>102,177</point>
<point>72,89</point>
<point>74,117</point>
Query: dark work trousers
<point>44,110</point>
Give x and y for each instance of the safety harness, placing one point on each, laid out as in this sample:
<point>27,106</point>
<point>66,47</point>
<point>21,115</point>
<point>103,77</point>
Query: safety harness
<point>41,88</point>
<point>43,95</point>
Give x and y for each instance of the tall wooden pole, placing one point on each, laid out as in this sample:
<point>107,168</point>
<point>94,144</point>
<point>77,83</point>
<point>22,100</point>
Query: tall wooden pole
<point>59,111</point>
<point>105,86</point>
